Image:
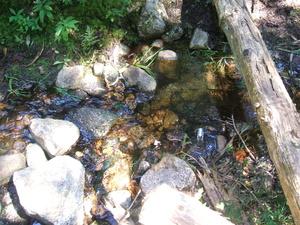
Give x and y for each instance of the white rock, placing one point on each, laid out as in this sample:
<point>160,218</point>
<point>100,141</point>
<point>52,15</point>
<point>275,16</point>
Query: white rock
<point>98,68</point>
<point>55,136</point>
<point>168,206</point>
<point>35,155</point>
<point>52,192</point>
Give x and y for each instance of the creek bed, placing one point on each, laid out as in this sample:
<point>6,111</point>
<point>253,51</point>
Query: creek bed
<point>167,122</point>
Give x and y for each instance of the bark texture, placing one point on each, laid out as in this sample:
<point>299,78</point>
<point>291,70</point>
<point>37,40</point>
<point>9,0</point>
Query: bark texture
<point>276,113</point>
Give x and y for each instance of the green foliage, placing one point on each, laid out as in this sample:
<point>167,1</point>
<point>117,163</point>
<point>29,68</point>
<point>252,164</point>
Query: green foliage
<point>24,23</point>
<point>58,19</point>
<point>88,40</point>
<point>146,60</point>
<point>43,8</point>
<point>64,28</point>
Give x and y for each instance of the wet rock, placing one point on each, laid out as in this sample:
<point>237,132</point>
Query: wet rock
<point>98,68</point>
<point>118,202</point>
<point>111,74</point>
<point>158,43</point>
<point>3,90</point>
<point>117,176</point>
<point>70,77</point>
<point>137,77</point>
<point>166,205</point>
<point>170,118</point>
<point>151,22</point>
<point>221,142</point>
<point>120,198</point>
<point>172,171</point>
<point>35,155</point>
<point>55,136</point>
<point>92,84</point>
<point>166,64</point>
<point>148,158</point>
<point>52,192</point>
<point>199,39</point>
<point>3,114</point>
<point>93,122</point>
<point>174,34</point>
<point>10,164</point>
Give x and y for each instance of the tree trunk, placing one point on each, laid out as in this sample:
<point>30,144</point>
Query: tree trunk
<point>276,113</point>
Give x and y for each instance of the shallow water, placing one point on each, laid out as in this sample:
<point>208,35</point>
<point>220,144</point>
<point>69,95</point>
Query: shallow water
<point>167,121</point>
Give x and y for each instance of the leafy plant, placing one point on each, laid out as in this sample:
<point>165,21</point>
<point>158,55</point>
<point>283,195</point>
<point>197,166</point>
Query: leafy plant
<point>146,60</point>
<point>88,40</point>
<point>65,27</point>
<point>24,23</point>
<point>62,63</point>
<point>43,8</point>
<point>12,89</point>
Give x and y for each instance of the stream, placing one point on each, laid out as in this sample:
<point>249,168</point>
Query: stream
<point>186,114</point>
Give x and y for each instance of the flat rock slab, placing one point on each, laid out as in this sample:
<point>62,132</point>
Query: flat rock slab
<point>93,122</point>
<point>52,192</point>
<point>172,171</point>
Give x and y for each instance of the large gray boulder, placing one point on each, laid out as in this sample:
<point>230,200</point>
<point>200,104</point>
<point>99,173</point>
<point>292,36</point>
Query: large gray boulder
<point>151,23</point>
<point>10,164</point>
<point>55,136</point>
<point>137,77</point>
<point>93,122</point>
<point>52,192</point>
<point>170,170</point>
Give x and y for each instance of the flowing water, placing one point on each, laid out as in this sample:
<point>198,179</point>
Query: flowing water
<point>168,121</point>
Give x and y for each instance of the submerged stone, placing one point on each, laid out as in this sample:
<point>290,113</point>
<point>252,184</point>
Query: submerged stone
<point>166,64</point>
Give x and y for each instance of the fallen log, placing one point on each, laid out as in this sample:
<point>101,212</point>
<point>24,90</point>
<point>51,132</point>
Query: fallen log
<point>275,111</point>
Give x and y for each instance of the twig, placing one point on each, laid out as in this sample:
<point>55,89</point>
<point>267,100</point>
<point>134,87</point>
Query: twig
<point>37,56</point>
<point>291,67</point>
<point>246,148</point>
<point>127,210</point>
